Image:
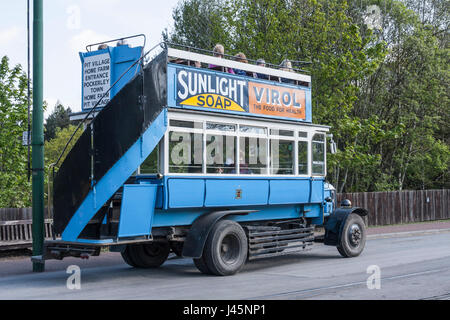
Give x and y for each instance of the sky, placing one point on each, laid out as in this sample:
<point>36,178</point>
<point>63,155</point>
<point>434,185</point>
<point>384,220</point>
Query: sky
<point>69,25</point>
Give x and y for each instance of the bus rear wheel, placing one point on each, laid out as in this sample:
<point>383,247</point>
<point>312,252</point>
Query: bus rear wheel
<point>146,255</point>
<point>201,266</point>
<point>225,251</point>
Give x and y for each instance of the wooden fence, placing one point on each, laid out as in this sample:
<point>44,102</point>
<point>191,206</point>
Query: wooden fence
<point>14,214</point>
<point>385,208</point>
<point>16,228</point>
<point>18,234</point>
<point>395,207</point>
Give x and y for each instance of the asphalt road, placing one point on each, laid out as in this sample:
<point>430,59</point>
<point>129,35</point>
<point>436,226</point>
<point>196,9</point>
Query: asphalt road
<point>411,267</point>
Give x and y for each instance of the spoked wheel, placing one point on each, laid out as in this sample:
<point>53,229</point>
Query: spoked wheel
<point>353,237</point>
<point>146,255</point>
<point>225,250</point>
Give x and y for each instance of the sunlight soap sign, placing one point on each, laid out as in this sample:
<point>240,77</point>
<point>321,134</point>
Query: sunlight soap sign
<point>225,92</point>
<point>96,80</point>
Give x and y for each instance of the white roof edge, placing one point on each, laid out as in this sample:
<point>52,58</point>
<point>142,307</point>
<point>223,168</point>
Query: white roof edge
<point>192,56</point>
<point>321,127</point>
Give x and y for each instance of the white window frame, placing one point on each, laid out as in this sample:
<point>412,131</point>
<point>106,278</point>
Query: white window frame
<point>221,133</point>
<point>268,124</point>
<point>324,151</point>
<point>255,135</point>
<point>308,147</point>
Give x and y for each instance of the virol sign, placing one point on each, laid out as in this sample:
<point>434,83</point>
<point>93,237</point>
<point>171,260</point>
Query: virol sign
<point>276,100</point>
<point>222,91</point>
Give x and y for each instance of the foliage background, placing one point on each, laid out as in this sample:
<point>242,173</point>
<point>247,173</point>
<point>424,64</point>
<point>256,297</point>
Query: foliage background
<point>384,91</point>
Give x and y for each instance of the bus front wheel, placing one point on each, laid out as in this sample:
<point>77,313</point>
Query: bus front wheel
<point>353,237</point>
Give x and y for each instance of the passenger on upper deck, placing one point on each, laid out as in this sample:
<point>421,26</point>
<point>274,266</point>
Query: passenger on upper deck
<point>286,65</point>
<point>219,52</point>
<point>240,57</point>
<point>261,63</point>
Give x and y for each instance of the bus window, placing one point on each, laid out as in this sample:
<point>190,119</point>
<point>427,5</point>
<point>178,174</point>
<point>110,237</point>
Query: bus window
<point>281,156</point>
<point>285,133</point>
<point>303,157</point>
<point>220,154</point>
<point>150,165</point>
<point>220,127</point>
<point>252,130</point>
<point>318,154</point>
<point>185,152</point>
<point>186,124</point>
<point>253,155</point>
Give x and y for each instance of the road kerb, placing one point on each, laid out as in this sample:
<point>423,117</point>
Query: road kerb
<point>406,233</point>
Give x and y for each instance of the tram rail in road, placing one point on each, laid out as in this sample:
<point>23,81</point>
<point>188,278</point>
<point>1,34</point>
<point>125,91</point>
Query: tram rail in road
<point>413,267</point>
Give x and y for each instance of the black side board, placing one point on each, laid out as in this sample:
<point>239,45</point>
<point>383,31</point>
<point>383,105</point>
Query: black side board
<point>116,128</point>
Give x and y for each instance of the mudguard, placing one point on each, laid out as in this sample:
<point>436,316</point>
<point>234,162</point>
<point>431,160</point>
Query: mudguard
<point>336,222</point>
<point>197,235</point>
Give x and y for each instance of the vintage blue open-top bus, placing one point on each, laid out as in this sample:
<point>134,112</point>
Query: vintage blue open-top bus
<point>191,159</point>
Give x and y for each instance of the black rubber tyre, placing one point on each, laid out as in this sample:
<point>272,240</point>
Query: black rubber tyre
<point>126,256</point>
<point>353,237</point>
<point>226,248</point>
<point>148,255</point>
<point>201,265</point>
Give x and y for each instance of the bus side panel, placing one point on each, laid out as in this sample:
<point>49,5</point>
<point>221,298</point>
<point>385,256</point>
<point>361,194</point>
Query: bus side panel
<point>185,217</point>
<point>185,193</point>
<point>136,214</point>
<point>218,192</point>
<point>317,191</point>
<point>289,191</point>
<point>236,192</point>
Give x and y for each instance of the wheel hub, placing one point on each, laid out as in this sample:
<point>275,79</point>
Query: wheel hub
<point>224,247</point>
<point>229,249</point>
<point>354,234</point>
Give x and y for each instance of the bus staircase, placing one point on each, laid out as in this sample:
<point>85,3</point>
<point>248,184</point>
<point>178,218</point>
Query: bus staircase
<point>111,148</point>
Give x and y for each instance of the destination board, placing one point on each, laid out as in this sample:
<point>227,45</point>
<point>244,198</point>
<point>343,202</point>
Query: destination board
<point>96,80</point>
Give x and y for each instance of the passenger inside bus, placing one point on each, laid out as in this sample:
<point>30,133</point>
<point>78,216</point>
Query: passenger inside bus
<point>243,166</point>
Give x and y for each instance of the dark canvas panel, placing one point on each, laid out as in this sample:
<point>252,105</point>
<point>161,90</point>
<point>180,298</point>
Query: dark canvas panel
<point>116,128</point>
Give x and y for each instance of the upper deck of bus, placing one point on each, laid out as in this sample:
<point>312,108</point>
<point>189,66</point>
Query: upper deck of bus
<point>283,95</point>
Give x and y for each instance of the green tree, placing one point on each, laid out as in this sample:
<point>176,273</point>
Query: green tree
<point>384,92</point>
<point>59,118</point>
<point>14,185</point>
<point>55,146</point>
<point>200,23</point>
<point>409,92</point>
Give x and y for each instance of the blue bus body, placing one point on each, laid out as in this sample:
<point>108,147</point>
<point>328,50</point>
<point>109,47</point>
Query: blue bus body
<point>222,143</point>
